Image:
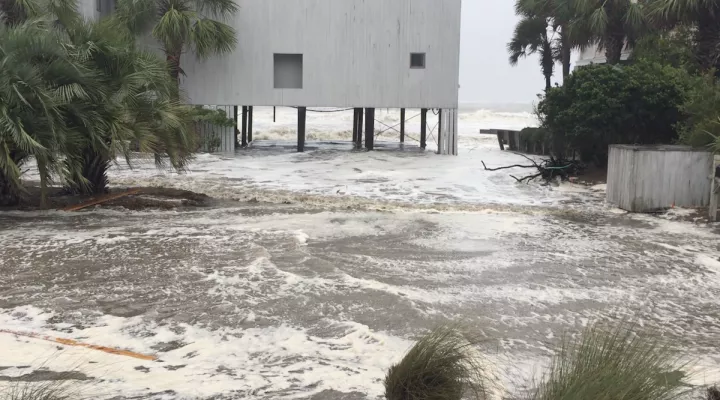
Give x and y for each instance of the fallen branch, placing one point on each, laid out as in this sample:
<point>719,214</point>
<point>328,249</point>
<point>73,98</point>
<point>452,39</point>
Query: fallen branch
<point>548,169</point>
<point>508,167</point>
<point>104,199</point>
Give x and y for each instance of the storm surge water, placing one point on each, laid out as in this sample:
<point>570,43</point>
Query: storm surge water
<point>332,262</point>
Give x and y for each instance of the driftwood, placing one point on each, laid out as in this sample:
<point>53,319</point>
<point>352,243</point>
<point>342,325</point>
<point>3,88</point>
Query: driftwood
<point>548,169</point>
<point>104,199</point>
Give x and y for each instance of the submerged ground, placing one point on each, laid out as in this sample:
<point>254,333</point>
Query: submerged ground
<point>317,271</point>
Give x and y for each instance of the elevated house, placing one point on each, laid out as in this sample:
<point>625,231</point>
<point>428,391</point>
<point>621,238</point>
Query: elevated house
<point>356,54</point>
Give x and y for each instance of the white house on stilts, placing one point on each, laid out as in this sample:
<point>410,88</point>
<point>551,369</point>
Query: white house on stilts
<point>359,54</point>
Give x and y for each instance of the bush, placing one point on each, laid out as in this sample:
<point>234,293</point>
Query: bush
<point>534,140</point>
<point>701,128</point>
<point>601,105</point>
<point>441,366</point>
<point>615,364</point>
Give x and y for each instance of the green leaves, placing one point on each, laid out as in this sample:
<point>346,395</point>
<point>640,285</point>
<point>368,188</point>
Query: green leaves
<point>597,104</point>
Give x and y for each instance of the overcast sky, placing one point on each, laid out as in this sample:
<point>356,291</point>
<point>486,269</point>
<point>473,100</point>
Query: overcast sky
<point>485,75</point>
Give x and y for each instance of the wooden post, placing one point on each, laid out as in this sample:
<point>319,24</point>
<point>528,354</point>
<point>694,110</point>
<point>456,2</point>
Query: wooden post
<point>355,125</point>
<point>273,113</point>
<point>370,128</point>
<point>358,143</point>
<point>715,190</point>
<point>250,118</point>
<point>423,128</point>
<point>402,125</point>
<point>244,126</point>
<point>500,140</point>
<point>302,112</point>
<point>439,132</point>
<point>237,130</point>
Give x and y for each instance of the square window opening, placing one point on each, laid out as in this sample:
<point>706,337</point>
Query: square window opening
<point>288,71</point>
<point>417,60</point>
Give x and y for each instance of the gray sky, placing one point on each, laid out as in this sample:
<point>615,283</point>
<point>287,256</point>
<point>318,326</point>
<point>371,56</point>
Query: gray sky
<point>485,74</point>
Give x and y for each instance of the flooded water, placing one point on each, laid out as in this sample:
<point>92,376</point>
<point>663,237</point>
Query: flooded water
<point>322,268</point>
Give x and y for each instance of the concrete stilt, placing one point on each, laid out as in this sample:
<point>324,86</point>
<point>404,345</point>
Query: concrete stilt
<point>302,113</point>
<point>439,130</point>
<point>358,142</point>
<point>244,126</point>
<point>250,120</point>
<point>370,128</point>
<point>402,125</point>
<point>423,128</point>
<point>356,114</point>
<point>237,130</point>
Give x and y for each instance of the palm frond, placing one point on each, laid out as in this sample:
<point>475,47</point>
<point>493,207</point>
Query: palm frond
<point>212,37</point>
<point>218,9</point>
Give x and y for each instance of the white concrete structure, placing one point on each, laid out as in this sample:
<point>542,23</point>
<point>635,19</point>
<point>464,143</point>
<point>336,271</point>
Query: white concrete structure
<point>592,55</point>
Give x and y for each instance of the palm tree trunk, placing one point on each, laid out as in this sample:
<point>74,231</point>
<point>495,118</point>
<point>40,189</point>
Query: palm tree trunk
<point>566,54</point>
<point>8,194</point>
<point>95,167</point>
<point>613,48</point>
<point>706,35</point>
<point>173,60</point>
<point>548,83</point>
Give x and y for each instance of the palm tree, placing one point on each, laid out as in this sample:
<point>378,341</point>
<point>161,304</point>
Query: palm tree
<point>182,25</point>
<point>704,16</point>
<point>40,78</point>
<point>141,106</point>
<point>613,24</point>
<point>532,37</point>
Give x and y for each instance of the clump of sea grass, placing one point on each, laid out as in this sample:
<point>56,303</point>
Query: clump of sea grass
<point>50,390</point>
<point>613,365</point>
<point>712,393</point>
<point>444,365</point>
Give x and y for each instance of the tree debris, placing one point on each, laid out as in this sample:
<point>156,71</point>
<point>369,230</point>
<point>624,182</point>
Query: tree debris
<point>548,169</point>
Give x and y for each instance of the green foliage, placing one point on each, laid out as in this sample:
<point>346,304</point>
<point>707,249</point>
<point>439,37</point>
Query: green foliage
<point>616,364</point>
<point>673,48</point>
<point>702,107</point>
<point>601,105</point>
<point>182,25</point>
<point>535,140</point>
<point>216,117</point>
<point>441,366</point>
<point>75,96</point>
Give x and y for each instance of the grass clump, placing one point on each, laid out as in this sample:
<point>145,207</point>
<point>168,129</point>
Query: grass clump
<point>443,365</point>
<point>36,391</point>
<point>613,365</point>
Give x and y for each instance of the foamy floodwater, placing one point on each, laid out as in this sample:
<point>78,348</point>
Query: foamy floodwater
<point>313,291</point>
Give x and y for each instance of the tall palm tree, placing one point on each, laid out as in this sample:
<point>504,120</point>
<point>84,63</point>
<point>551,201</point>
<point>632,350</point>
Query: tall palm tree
<point>613,24</point>
<point>704,16</point>
<point>182,25</point>
<point>532,37</point>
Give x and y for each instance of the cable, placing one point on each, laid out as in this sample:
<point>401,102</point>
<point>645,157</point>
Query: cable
<point>325,111</point>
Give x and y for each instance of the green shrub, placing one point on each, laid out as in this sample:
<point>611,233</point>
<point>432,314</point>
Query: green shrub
<point>535,140</point>
<point>441,366</point>
<point>599,105</point>
<point>617,364</point>
<point>701,128</point>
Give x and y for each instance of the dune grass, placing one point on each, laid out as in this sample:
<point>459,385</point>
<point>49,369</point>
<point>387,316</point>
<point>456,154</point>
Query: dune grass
<point>49,390</point>
<point>443,365</point>
<point>614,364</point>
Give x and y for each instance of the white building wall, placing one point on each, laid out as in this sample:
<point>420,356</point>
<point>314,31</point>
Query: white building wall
<point>356,53</point>
<point>593,55</point>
